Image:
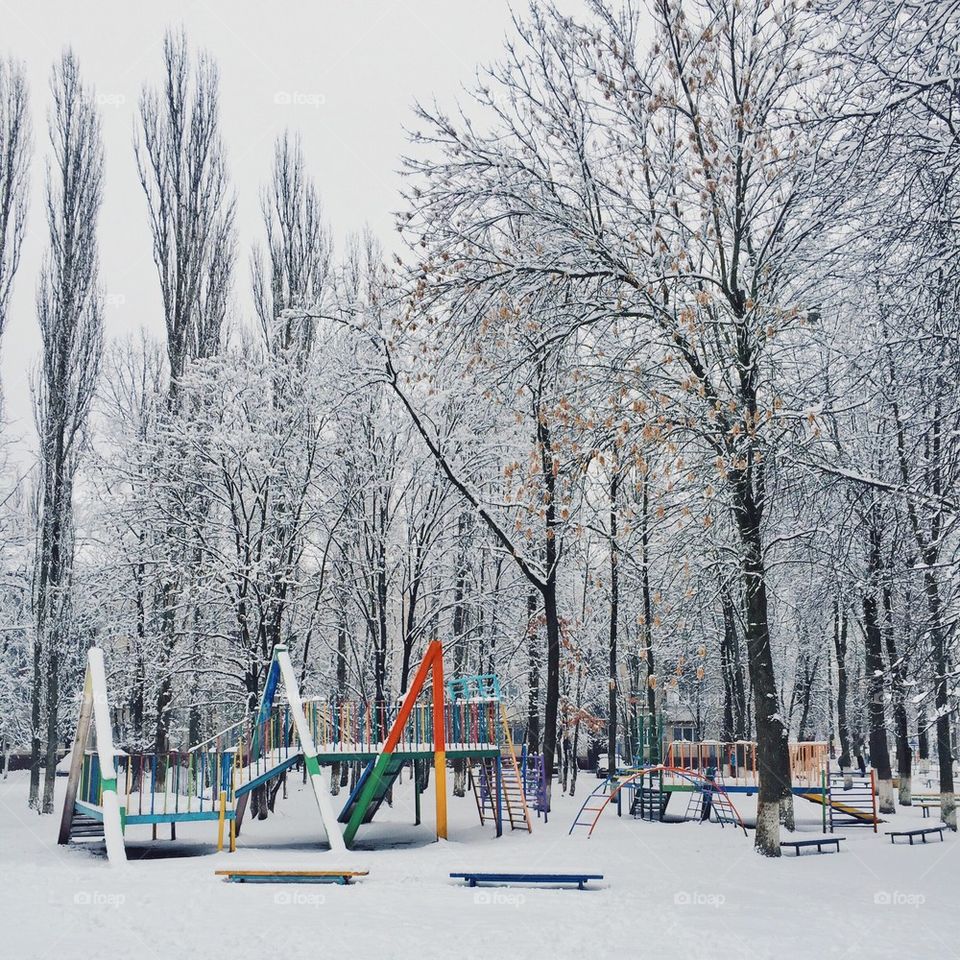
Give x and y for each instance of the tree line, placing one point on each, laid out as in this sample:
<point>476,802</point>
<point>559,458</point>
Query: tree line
<point>654,412</point>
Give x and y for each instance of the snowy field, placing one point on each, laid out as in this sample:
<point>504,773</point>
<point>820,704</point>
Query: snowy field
<point>677,890</point>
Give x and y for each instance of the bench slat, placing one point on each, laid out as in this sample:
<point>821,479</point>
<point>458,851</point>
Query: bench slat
<point>293,873</point>
<point>474,878</point>
<point>810,843</point>
<point>922,833</point>
<point>913,833</point>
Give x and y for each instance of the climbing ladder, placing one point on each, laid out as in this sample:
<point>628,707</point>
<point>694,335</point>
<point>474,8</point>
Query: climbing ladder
<point>534,773</point>
<point>596,801</point>
<point>649,798</point>
<point>722,810</point>
<point>484,786</point>
<point>511,785</point>
<point>852,800</point>
<point>513,788</point>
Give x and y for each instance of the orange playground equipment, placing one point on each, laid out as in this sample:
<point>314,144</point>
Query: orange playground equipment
<point>736,762</point>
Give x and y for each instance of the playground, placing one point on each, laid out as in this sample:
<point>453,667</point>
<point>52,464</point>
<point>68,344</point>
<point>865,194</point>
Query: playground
<point>151,857</point>
<point>690,889</point>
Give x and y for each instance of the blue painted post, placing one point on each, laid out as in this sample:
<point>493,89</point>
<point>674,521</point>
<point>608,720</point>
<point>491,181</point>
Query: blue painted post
<point>416,792</point>
<point>95,780</point>
<point>499,805</point>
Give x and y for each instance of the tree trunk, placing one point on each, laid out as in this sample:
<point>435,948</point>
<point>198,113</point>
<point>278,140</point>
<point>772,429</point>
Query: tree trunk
<point>773,757</point>
<point>734,699</point>
<point>459,636</point>
<point>36,714</point>
<point>873,644</point>
<point>614,616</point>
<point>552,617</point>
<point>654,738</point>
<point>806,697</point>
<point>165,693</point>
<point>948,803</point>
<point>533,677</point>
<point>923,738</point>
<point>54,651</point>
<point>898,678</point>
<point>840,645</point>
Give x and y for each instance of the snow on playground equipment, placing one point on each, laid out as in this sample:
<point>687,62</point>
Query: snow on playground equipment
<point>342,877</point>
<point>711,796</point>
<point>214,779</point>
<point>542,879</point>
<point>736,761</point>
<point>206,782</point>
<point>380,773</point>
<point>499,783</point>
<point>94,718</point>
<point>534,774</point>
<point>847,799</point>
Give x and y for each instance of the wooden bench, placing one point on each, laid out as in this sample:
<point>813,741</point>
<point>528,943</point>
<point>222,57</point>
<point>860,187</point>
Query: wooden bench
<point>291,876</point>
<point>922,833</point>
<point>511,878</point>
<point>926,806</point>
<point>818,842</point>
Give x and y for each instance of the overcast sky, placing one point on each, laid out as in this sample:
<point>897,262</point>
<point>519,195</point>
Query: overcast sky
<point>352,70</point>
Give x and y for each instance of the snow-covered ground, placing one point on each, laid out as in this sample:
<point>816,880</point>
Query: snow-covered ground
<point>670,890</point>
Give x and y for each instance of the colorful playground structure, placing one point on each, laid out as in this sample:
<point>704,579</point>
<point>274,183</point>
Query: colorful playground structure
<point>465,719</point>
<point>712,772</point>
<point>736,761</point>
<point>649,792</point>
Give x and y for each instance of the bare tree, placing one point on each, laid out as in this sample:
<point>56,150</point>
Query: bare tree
<point>672,200</point>
<point>71,328</point>
<point>14,174</point>
<point>183,174</point>
<point>298,249</point>
<point>191,209</point>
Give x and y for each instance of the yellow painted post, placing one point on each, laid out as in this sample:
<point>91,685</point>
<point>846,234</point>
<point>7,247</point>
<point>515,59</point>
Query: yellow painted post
<point>220,820</point>
<point>439,741</point>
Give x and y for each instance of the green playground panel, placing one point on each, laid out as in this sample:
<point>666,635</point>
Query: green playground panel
<point>183,817</point>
